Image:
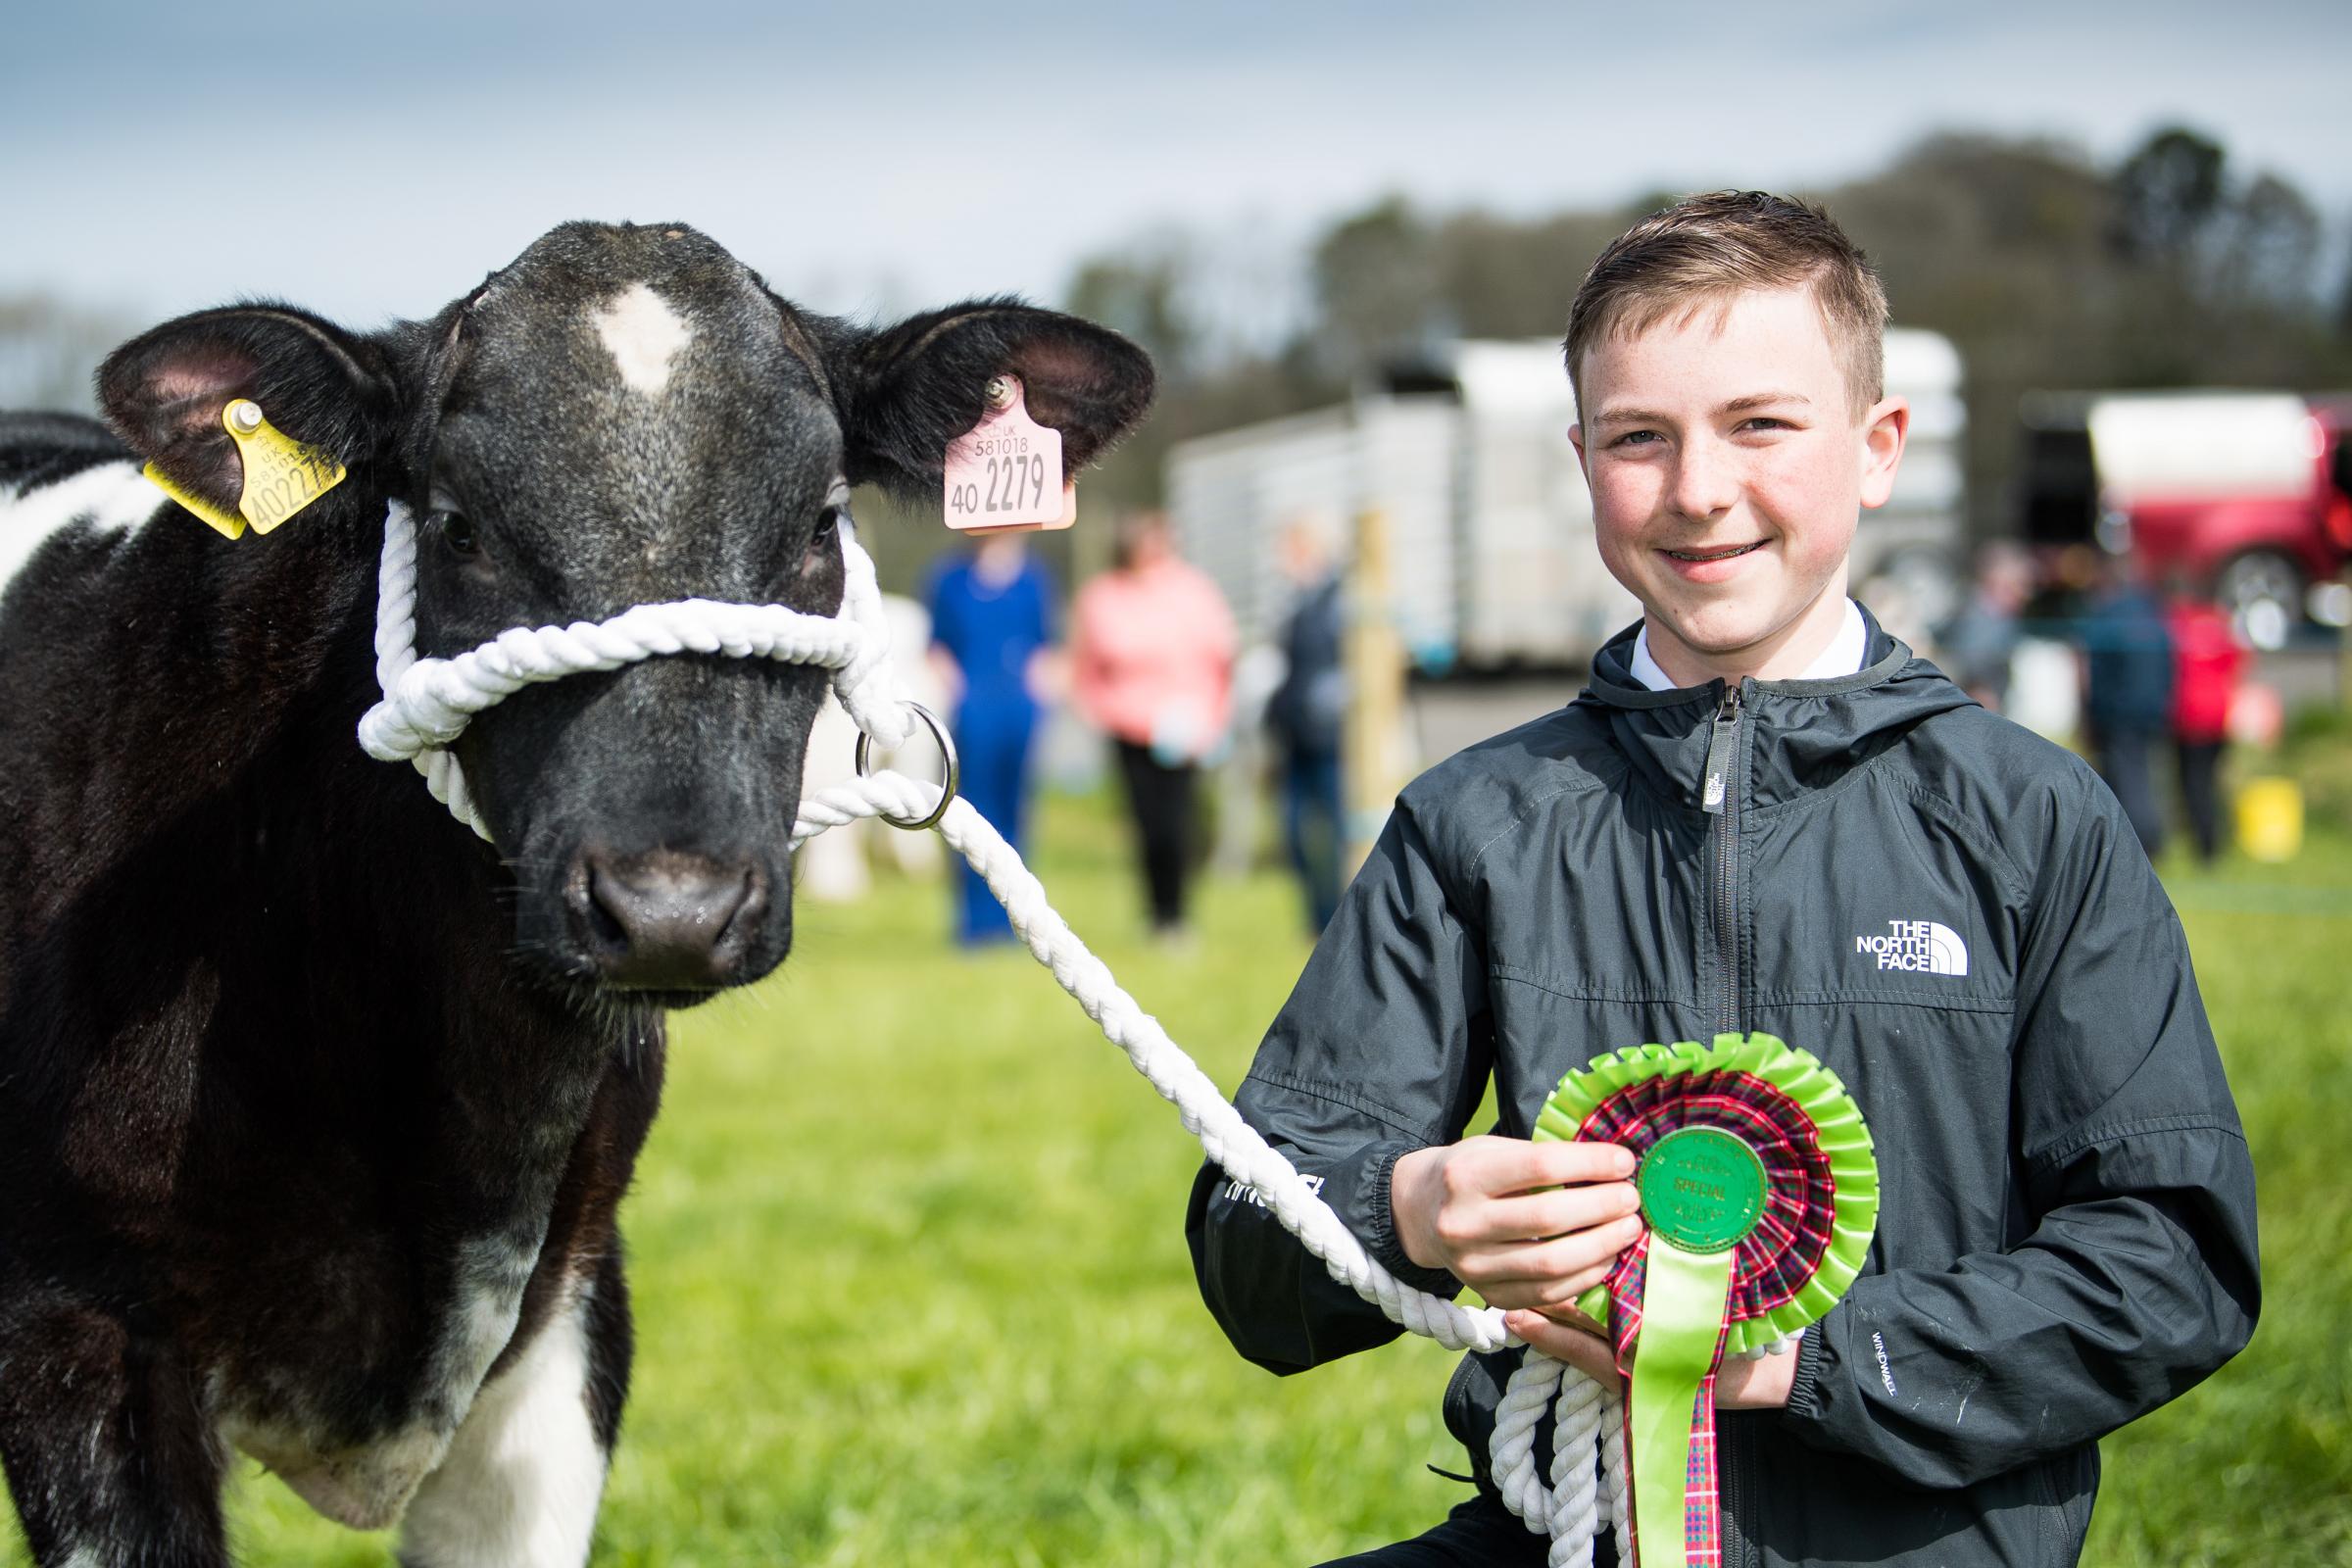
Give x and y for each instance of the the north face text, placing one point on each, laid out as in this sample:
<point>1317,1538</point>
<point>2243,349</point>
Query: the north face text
<point>1921,946</point>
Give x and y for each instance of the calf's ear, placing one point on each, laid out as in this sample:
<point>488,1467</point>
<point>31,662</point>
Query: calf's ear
<point>904,392</point>
<point>164,391</point>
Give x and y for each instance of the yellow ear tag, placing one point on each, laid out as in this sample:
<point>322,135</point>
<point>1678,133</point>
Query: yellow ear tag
<point>282,475</point>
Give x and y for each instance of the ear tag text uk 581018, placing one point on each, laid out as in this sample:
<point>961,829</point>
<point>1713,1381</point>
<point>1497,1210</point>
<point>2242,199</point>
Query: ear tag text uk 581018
<point>282,475</point>
<point>1006,472</point>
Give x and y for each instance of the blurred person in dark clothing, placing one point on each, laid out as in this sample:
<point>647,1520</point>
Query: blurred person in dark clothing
<point>2208,660</point>
<point>2128,695</point>
<point>1977,645</point>
<point>1305,718</point>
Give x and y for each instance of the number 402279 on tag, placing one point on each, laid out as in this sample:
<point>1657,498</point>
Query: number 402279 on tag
<point>1006,472</point>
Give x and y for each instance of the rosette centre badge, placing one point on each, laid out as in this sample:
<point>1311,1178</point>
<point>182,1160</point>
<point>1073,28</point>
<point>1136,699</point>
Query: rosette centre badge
<point>1702,1189</point>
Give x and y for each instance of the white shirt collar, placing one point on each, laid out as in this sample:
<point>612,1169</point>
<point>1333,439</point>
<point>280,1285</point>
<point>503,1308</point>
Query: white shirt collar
<point>1845,655</point>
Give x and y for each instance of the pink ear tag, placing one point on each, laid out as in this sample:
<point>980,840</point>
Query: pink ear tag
<point>1006,472</point>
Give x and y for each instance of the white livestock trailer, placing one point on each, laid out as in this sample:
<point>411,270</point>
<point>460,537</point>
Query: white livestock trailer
<point>1489,519</point>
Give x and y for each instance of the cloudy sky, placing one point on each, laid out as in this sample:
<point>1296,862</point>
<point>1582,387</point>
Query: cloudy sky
<point>374,161</point>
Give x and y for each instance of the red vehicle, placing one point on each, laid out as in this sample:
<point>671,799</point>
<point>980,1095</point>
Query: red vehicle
<point>2245,494</point>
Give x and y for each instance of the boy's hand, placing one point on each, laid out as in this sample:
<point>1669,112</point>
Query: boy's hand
<point>1532,1226</point>
<point>1566,1335</point>
<point>1480,1211</point>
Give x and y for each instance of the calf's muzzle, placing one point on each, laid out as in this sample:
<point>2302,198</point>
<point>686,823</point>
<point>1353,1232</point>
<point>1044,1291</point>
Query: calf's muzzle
<point>667,920</point>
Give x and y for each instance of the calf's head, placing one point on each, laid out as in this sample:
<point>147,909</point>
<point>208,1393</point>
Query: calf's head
<point>624,415</point>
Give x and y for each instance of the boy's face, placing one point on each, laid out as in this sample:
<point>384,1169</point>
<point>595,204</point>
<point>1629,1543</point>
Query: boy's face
<point>1728,470</point>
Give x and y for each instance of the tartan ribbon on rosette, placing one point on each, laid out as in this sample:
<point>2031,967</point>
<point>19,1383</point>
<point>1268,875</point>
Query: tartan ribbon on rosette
<point>1759,1195</point>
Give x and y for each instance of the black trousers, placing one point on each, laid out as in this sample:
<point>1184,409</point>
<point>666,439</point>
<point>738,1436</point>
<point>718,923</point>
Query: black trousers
<point>2201,793</point>
<point>1165,805</point>
<point>2127,760</point>
<point>1479,1534</point>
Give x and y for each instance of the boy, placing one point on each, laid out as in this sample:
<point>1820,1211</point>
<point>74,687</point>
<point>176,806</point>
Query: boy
<point>1751,818</point>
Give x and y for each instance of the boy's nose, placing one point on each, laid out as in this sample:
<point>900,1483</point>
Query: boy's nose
<point>1705,483</point>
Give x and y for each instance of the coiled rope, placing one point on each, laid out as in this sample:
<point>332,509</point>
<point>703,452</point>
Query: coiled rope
<point>428,702</point>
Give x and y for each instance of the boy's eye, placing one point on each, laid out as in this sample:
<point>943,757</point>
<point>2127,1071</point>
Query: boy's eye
<point>1636,438</point>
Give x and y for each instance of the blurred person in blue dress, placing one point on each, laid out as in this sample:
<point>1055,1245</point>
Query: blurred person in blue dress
<point>993,643</point>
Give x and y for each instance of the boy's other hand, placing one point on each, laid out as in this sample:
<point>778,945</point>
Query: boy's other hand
<point>1566,1335</point>
<point>1524,1224</point>
<point>1761,1384</point>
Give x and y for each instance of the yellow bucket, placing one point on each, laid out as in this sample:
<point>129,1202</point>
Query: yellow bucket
<point>2270,818</point>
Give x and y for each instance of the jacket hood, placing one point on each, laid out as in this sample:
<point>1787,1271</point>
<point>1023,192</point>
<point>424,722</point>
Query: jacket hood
<point>1801,736</point>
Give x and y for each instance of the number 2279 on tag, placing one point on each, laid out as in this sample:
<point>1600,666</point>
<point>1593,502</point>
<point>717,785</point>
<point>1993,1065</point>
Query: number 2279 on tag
<point>1006,472</point>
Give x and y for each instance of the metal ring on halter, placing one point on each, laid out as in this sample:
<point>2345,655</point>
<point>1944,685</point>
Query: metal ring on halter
<point>947,749</point>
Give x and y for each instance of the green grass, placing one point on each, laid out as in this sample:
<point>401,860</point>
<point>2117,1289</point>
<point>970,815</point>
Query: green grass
<point>2256,1465</point>
<point>912,1282</point>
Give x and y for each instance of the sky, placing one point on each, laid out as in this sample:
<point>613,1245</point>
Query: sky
<point>371,162</point>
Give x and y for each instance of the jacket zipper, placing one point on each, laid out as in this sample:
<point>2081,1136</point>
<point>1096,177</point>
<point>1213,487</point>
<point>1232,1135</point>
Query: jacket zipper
<point>1720,798</point>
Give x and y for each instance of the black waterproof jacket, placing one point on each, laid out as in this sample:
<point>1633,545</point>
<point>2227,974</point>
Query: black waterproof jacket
<point>1950,912</point>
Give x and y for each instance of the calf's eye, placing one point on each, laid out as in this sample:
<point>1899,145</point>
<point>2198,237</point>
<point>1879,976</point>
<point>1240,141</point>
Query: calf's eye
<point>822,545</point>
<point>457,532</point>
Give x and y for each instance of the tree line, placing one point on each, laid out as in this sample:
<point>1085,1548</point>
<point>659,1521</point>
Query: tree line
<point>2168,267</point>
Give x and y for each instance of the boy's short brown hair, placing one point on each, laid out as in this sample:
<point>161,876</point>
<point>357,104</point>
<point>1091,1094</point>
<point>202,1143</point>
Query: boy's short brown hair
<point>1704,249</point>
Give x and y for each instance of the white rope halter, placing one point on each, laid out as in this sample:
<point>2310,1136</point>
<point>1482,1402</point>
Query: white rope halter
<point>428,702</point>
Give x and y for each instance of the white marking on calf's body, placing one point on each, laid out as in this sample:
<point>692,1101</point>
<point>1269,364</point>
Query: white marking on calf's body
<point>113,498</point>
<point>363,1489</point>
<point>366,1488</point>
<point>522,1481</point>
<point>642,333</point>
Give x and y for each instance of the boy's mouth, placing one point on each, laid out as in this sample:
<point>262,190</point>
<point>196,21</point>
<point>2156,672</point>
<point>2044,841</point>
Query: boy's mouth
<point>1727,553</point>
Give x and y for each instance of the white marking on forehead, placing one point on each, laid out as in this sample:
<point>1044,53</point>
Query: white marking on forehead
<point>642,333</point>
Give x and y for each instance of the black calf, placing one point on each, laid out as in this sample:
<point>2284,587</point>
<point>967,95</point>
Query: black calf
<point>314,1110</point>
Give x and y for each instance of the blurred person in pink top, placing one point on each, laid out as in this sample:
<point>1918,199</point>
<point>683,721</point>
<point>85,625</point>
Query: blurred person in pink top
<point>1152,646</point>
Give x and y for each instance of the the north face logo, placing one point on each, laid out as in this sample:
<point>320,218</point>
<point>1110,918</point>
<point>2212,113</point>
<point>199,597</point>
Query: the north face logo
<point>1921,946</point>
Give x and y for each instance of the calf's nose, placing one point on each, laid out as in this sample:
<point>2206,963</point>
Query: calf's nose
<point>668,920</point>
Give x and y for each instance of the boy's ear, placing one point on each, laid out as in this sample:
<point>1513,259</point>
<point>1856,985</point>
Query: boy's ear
<point>164,391</point>
<point>1886,427</point>
<point>904,392</point>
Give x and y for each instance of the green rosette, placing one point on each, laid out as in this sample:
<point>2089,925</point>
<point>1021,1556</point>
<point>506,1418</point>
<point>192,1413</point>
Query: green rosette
<point>1846,1207</point>
<point>1760,1191</point>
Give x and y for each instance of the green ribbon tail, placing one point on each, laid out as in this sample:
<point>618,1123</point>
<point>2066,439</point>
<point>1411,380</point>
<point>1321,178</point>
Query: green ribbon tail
<point>1683,1297</point>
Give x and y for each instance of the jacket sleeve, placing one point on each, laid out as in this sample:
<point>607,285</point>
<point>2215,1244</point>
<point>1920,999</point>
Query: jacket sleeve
<point>2136,1275</point>
<point>1382,1048</point>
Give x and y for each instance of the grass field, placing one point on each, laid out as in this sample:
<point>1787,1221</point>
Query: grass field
<point>912,1284</point>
